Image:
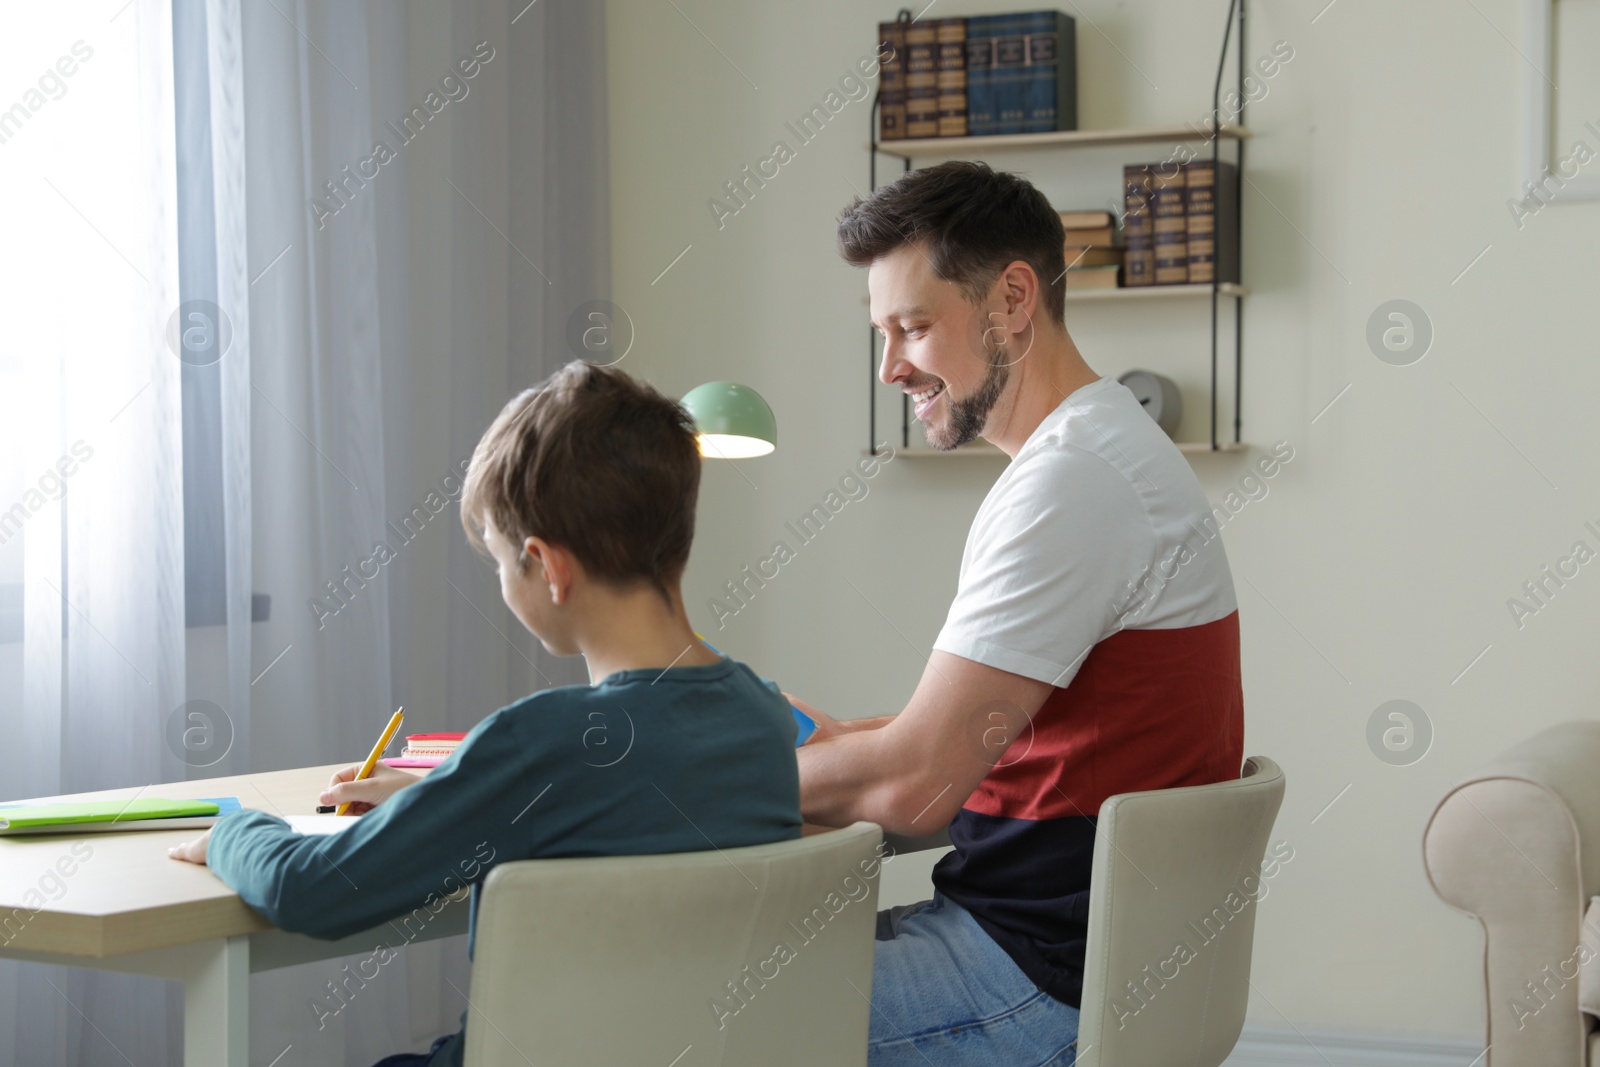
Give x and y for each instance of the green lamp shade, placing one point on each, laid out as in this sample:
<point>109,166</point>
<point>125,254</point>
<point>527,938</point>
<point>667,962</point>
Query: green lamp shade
<point>734,422</point>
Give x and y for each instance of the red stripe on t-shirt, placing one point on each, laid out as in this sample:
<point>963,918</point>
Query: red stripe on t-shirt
<point>1148,709</point>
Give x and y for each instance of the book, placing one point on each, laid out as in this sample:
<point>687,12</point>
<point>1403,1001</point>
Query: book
<point>1050,76</point>
<point>1138,226</point>
<point>426,750</point>
<point>1092,278</point>
<point>1171,228</point>
<point>1211,204</point>
<point>1086,220</point>
<point>114,816</point>
<point>1093,256</point>
<point>892,83</point>
<point>424,745</point>
<point>922,80</point>
<point>981,117</point>
<point>1100,235</point>
<point>951,76</point>
<point>1005,78</point>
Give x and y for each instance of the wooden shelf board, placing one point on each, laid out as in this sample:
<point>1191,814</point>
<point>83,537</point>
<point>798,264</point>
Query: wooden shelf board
<point>991,452</point>
<point>921,147</point>
<point>1205,446</point>
<point>981,448</point>
<point>1156,292</point>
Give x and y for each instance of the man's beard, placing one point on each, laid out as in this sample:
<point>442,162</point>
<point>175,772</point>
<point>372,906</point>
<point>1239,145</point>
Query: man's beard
<point>969,414</point>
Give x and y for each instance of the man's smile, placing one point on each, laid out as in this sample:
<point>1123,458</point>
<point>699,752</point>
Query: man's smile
<point>923,398</point>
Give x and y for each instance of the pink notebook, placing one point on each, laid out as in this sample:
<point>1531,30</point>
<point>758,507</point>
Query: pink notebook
<point>426,750</point>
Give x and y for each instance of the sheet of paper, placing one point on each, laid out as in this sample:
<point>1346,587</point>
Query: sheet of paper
<point>320,824</point>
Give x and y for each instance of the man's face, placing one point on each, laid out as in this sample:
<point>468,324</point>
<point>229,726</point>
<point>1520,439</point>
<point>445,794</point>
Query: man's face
<point>937,347</point>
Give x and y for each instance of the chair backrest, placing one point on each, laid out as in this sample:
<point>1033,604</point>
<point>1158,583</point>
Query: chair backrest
<point>757,955</point>
<point>1177,873</point>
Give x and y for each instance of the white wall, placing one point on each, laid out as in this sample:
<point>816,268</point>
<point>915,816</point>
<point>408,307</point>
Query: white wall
<point>1380,563</point>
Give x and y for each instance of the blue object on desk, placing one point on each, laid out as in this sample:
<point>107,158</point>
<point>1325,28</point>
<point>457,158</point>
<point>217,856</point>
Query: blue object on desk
<point>807,727</point>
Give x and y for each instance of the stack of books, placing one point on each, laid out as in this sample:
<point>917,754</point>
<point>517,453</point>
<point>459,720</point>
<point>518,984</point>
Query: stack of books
<point>1093,258</point>
<point>989,74</point>
<point>1180,223</point>
<point>426,750</point>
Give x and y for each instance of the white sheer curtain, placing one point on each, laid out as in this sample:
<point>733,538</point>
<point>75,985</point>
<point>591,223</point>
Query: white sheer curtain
<point>92,656</point>
<point>180,573</point>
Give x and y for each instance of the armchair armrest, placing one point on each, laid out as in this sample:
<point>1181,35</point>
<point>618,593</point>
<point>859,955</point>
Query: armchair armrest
<point>1517,846</point>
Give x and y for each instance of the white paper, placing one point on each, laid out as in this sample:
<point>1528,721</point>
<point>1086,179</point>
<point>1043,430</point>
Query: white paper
<point>316,825</point>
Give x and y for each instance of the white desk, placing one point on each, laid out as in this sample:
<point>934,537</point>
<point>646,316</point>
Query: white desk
<point>127,907</point>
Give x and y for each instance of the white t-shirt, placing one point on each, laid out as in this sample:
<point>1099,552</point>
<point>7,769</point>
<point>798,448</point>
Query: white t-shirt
<point>1097,525</point>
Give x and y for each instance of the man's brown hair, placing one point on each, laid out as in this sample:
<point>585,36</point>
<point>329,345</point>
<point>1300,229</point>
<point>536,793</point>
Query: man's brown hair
<point>594,461</point>
<point>971,221</point>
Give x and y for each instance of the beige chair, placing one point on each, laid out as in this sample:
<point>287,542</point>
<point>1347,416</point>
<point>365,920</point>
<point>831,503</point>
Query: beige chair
<point>1177,873</point>
<point>744,956</point>
<point>1517,847</point>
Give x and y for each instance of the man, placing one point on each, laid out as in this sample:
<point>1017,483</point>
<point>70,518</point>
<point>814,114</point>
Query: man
<point>1092,648</point>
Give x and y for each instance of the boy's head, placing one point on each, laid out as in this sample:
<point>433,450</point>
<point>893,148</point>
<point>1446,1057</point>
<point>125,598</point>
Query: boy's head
<point>595,465</point>
<point>964,263</point>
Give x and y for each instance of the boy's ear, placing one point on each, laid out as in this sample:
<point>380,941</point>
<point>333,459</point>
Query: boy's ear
<point>554,567</point>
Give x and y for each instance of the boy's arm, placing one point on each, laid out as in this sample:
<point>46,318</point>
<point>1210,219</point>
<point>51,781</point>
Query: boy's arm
<point>426,842</point>
<point>912,774</point>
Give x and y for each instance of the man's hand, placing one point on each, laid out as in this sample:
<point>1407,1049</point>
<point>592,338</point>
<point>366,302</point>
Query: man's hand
<point>192,851</point>
<point>911,773</point>
<point>384,782</point>
<point>828,727</point>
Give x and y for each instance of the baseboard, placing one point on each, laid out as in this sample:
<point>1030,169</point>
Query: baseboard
<point>1261,1046</point>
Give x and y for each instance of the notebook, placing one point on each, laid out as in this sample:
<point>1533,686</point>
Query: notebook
<point>114,816</point>
<point>426,750</point>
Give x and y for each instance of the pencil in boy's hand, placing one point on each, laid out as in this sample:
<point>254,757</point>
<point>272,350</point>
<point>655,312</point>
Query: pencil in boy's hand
<point>377,751</point>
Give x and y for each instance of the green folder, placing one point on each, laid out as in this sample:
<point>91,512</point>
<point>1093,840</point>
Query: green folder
<point>104,815</point>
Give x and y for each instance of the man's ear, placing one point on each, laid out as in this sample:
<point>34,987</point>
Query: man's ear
<point>551,566</point>
<point>1019,292</point>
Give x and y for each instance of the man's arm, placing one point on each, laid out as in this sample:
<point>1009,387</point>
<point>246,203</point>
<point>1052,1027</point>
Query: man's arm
<point>912,774</point>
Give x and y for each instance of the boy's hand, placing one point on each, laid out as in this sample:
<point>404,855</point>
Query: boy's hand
<point>192,851</point>
<point>384,782</point>
<point>827,727</point>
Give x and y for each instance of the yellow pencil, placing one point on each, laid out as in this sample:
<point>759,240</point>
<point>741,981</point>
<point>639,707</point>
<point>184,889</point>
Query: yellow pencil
<point>377,751</point>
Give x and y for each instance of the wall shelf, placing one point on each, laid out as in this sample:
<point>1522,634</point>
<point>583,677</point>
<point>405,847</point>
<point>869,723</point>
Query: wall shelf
<point>1212,133</point>
<point>964,147</point>
<point>1157,292</point>
<point>985,450</point>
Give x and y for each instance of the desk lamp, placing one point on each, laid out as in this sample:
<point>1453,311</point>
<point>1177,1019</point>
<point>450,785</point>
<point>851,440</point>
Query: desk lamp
<point>734,422</point>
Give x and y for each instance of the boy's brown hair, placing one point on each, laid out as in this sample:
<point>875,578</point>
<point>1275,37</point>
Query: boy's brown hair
<point>594,461</point>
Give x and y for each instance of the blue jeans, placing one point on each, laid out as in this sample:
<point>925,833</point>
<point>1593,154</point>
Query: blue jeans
<point>945,995</point>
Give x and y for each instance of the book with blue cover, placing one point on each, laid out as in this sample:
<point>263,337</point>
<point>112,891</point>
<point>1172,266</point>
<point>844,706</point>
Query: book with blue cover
<point>981,117</point>
<point>1049,80</point>
<point>1006,76</point>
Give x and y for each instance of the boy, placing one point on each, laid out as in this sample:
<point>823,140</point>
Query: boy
<point>583,493</point>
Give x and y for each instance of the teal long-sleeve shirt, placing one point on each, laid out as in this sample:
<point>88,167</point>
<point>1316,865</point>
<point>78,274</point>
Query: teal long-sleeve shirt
<point>647,761</point>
